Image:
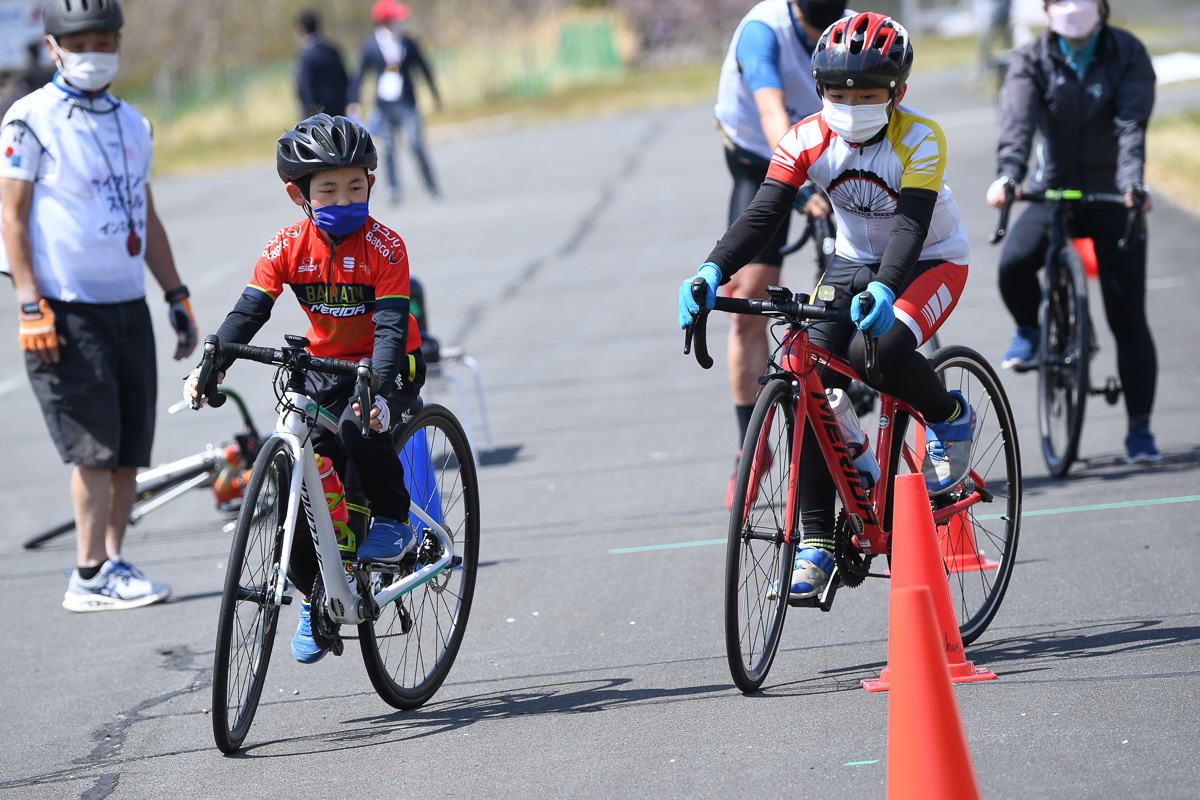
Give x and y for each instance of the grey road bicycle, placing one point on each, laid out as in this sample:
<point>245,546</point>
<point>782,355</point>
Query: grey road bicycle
<point>410,617</point>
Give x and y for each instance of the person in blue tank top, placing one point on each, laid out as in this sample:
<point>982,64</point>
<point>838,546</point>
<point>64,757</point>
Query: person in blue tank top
<point>766,87</point>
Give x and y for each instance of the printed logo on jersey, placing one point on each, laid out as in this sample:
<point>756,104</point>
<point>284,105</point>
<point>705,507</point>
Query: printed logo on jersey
<point>386,243</point>
<point>338,300</point>
<point>307,264</point>
<point>348,263</point>
<point>863,193</point>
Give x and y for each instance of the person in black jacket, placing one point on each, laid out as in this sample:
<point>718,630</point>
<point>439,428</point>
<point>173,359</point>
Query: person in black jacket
<point>1088,89</point>
<point>321,79</point>
<point>396,58</point>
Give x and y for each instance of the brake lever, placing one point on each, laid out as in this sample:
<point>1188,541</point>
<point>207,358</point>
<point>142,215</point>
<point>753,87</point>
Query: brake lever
<point>697,332</point>
<point>873,375</point>
<point>206,385</point>
<point>365,403</point>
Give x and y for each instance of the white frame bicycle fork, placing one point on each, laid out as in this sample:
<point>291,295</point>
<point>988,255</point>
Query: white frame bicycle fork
<point>344,606</point>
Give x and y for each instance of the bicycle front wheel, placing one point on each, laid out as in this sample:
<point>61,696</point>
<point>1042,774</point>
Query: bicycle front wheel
<point>758,562</point>
<point>979,544</point>
<point>1063,379</point>
<point>409,650</point>
<point>246,629</point>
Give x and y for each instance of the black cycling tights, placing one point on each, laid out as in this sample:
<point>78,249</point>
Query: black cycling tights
<point>1122,285</point>
<point>907,374</point>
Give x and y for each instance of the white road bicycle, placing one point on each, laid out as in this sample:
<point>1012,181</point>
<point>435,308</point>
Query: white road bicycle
<point>410,616</point>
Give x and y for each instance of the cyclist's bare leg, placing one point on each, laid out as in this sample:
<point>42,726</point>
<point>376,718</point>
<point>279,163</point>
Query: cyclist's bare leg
<point>748,349</point>
<point>103,499</point>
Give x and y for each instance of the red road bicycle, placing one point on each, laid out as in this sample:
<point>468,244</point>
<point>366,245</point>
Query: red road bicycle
<point>977,520</point>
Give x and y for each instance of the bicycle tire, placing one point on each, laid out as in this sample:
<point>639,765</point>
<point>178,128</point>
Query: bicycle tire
<point>978,545</point>
<point>409,650</point>
<point>1063,379</point>
<point>249,616</point>
<point>758,563</point>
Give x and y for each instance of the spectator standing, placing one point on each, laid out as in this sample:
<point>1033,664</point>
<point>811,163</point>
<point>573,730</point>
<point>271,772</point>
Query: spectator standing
<point>321,80</point>
<point>78,224</point>
<point>395,57</point>
<point>995,25</point>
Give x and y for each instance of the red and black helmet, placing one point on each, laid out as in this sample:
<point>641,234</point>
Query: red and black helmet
<point>865,51</point>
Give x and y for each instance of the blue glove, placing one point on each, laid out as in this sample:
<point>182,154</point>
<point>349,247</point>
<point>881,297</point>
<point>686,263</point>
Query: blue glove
<point>688,308</point>
<point>881,316</point>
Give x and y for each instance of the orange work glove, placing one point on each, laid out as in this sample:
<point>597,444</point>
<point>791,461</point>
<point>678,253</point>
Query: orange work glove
<point>37,334</point>
<point>182,320</point>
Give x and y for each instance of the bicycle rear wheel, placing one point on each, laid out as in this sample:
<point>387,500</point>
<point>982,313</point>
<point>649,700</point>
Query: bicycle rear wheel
<point>246,629</point>
<point>409,650</point>
<point>1063,379</point>
<point>979,544</point>
<point>758,562</point>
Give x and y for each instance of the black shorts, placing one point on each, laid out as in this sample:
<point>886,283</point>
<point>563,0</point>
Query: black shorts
<point>98,400</point>
<point>748,175</point>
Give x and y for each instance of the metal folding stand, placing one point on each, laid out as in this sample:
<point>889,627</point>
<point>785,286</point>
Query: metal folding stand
<point>457,356</point>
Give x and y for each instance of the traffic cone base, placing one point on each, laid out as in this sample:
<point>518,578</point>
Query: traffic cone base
<point>917,562</point>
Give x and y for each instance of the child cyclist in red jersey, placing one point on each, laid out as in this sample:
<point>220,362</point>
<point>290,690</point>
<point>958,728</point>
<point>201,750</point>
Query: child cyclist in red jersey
<point>350,273</point>
<point>899,241</point>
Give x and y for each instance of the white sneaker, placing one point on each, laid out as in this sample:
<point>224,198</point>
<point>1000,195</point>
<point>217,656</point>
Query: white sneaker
<point>118,585</point>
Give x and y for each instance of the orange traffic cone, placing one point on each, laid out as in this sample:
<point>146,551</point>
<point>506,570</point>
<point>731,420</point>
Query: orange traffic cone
<point>1086,249</point>
<point>927,754</point>
<point>959,550</point>
<point>916,561</point>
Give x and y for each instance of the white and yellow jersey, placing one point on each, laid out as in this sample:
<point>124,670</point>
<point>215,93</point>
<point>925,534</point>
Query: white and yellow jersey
<point>864,182</point>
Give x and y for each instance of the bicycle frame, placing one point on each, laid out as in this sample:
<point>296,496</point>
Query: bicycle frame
<point>866,508</point>
<point>344,606</point>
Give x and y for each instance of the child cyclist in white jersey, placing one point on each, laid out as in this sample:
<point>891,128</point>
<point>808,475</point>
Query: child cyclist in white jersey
<point>899,241</point>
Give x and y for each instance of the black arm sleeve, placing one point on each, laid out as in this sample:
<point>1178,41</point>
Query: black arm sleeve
<point>249,314</point>
<point>389,356</point>
<point>914,210</point>
<point>751,232</point>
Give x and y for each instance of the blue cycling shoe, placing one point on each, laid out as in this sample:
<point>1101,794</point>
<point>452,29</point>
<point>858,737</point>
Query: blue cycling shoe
<point>948,449</point>
<point>1140,447</point>
<point>1023,350</point>
<point>810,572</point>
<point>388,541</point>
<point>304,648</point>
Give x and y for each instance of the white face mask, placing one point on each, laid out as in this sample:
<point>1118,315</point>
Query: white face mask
<point>88,72</point>
<point>1074,19</point>
<point>855,123</point>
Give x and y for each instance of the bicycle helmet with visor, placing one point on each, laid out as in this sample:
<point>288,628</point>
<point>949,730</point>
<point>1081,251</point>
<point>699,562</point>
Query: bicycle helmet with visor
<point>63,17</point>
<point>865,51</point>
<point>322,142</point>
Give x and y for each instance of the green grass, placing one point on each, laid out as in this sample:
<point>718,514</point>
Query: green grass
<point>1173,164</point>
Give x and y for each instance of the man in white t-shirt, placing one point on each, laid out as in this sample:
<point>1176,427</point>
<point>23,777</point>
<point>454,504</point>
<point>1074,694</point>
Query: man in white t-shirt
<point>78,223</point>
<point>766,87</point>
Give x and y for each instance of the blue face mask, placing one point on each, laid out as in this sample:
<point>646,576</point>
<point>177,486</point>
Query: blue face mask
<point>340,220</point>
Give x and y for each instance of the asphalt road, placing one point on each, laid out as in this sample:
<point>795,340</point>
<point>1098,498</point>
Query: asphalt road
<point>554,260</point>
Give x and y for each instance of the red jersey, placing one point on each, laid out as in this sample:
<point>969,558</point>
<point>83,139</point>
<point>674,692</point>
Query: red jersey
<point>339,293</point>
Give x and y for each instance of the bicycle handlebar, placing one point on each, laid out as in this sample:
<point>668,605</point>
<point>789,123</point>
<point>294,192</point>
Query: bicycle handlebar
<point>791,310</point>
<point>1134,220</point>
<point>294,356</point>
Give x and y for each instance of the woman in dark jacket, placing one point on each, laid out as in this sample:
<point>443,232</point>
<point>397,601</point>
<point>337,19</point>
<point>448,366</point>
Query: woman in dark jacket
<point>1087,88</point>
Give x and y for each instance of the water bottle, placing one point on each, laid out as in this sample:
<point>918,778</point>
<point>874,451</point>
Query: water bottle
<point>335,499</point>
<point>856,438</point>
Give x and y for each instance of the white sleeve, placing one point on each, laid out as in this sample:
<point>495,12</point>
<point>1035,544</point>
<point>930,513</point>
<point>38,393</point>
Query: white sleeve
<point>20,151</point>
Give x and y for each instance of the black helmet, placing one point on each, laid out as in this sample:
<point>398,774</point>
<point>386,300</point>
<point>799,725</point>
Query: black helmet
<point>62,17</point>
<point>323,142</point>
<point>865,51</point>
